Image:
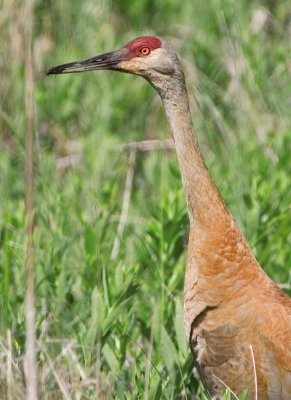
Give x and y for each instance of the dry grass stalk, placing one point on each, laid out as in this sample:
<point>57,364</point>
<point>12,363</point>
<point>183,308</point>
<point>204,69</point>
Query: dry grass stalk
<point>125,202</point>
<point>60,381</point>
<point>255,372</point>
<point>285,286</point>
<point>149,145</point>
<point>9,375</point>
<point>134,147</point>
<point>99,387</point>
<point>66,162</point>
<point>30,356</point>
<point>226,387</point>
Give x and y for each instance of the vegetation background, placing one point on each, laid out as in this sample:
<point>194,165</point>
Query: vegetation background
<point>109,324</point>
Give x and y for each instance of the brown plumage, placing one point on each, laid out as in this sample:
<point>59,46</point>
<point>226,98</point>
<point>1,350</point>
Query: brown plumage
<point>237,320</point>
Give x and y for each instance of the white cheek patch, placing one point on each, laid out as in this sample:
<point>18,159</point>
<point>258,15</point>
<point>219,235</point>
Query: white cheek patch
<point>160,62</point>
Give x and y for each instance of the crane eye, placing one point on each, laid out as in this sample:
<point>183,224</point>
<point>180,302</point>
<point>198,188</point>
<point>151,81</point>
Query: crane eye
<point>144,51</point>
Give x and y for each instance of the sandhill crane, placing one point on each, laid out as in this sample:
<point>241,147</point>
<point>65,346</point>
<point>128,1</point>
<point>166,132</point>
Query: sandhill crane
<point>237,320</point>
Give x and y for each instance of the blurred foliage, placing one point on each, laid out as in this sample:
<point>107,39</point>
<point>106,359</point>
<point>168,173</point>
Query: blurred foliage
<point>125,315</point>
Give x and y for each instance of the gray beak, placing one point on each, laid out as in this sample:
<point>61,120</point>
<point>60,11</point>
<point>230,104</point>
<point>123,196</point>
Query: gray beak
<point>105,61</point>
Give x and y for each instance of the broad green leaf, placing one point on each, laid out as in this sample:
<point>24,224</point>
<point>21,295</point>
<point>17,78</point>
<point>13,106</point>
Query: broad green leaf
<point>111,359</point>
<point>179,327</point>
<point>168,349</point>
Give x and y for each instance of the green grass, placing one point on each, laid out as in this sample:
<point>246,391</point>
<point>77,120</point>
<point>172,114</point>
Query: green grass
<point>116,326</point>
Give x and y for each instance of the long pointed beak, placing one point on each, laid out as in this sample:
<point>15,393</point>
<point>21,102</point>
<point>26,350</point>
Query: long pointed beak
<point>104,61</point>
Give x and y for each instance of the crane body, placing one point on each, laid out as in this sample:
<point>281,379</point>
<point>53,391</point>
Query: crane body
<point>237,320</point>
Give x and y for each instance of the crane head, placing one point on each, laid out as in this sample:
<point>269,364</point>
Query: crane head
<point>148,56</point>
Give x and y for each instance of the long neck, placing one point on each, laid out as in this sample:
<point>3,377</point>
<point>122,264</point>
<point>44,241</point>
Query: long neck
<point>204,202</point>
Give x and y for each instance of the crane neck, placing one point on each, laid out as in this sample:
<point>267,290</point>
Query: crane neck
<point>204,201</point>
